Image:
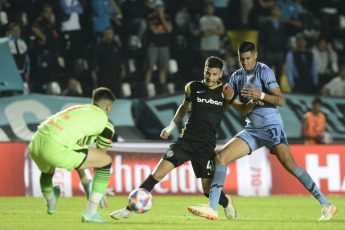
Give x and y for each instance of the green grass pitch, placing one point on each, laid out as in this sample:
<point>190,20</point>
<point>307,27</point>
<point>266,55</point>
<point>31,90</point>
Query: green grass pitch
<point>170,212</point>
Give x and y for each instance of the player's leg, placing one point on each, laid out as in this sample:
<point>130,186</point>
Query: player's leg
<point>163,168</point>
<point>101,162</point>
<point>224,200</point>
<point>50,193</point>
<point>233,150</point>
<point>177,154</point>
<point>285,157</point>
<point>84,181</point>
<point>37,150</point>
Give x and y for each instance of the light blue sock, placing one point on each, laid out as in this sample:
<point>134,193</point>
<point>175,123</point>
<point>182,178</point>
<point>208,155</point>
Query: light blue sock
<point>217,185</point>
<point>310,185</point>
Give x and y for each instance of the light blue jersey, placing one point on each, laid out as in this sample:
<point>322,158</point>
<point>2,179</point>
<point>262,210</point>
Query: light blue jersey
<point>264,79</point>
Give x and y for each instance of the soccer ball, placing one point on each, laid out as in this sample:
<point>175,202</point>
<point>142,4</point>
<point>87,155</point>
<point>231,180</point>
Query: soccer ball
<point>326,138</point>
<point>140,200</point>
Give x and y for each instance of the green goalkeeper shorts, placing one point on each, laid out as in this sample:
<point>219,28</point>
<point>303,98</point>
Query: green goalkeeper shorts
<point>47,152</point>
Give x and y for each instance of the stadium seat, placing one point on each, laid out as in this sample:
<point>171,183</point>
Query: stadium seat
<point>238,36</point>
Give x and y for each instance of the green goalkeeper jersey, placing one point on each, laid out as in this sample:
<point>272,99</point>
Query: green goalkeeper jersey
<point>79,125</point>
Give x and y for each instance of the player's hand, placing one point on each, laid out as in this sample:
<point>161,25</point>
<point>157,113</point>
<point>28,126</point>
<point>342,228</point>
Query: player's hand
<point>257,102</point>
<point>104,201</point>
<point>228,92</point>
<point>168,130</point>
<point>254,93</point>
<point>164,134</point>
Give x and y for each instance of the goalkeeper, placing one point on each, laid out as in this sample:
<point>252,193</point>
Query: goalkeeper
<point>62,141</point>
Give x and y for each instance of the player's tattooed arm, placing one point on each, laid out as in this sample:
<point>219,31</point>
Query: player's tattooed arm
<point>181,111</point>
<point>180,114</point>
<point>276,100</point>
<point>274,96</point>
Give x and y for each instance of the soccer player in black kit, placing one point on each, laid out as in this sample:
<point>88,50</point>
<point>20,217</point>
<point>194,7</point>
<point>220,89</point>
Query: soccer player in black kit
<point>206,100</point>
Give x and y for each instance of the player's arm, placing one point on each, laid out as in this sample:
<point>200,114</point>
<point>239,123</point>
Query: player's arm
<point>104,139</point>
<point>228,93</point>
<point>244,108</point>
<point>274,97</point>
<point>179,115</point>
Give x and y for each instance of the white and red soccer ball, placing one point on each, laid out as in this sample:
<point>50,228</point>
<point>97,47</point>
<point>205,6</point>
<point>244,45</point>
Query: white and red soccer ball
<point>140,200</point>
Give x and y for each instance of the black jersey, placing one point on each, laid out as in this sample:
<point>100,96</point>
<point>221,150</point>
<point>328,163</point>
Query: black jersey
<point>206,112</point>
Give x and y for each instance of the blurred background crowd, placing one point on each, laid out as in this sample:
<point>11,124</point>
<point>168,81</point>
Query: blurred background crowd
<point>143,48</point>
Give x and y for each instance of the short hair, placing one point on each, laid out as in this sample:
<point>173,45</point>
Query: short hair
<point>102,93</point>
<point>12,25</point>
<point>108,28</point>
<point>214,62</point>
<point>246,46</point>
<point>317,100</point>
<point>47,5</point>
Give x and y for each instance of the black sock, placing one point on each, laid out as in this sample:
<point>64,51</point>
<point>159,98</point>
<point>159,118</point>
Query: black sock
<point>148,184</point>
<point>223,201</point>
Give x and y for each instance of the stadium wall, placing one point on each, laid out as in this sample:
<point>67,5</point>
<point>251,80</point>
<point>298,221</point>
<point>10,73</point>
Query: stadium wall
<point>20,115</point>
<point>258,175</point>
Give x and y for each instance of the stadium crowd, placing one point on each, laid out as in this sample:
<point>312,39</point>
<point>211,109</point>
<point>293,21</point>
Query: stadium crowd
<point>140,48</point>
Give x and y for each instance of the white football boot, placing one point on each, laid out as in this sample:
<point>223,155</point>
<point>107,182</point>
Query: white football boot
<point>327,212</point>
<point>230,211</point>
<point>121,214</point>
<point>205,211</point>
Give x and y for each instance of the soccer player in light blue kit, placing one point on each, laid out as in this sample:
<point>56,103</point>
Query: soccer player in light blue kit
<point>264,127</point>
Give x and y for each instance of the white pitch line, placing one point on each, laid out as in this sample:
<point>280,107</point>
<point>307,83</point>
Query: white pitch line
<point>150,215</point>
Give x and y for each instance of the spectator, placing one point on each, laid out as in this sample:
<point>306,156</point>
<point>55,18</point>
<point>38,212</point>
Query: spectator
<point>19,49</point>
<point>326,60</point>
<point>182,20</point>
<point>71,31</point>
<point>221,10</point>
<point>313,124</point>
<point>272,38</point>
<point>105,11</point>
<point>46,50</point>
<point>246,7</point>
<point>230,66</point>
<point>73,89</point>
<point>290,16</point>
<point>134,17</point>
<point>160,28</point>
<point>109,69</point>
<point>19,11</point>
<point>301,68</point>
<point>261,12</point>
<point>336,87</point>
<point>212,29</point>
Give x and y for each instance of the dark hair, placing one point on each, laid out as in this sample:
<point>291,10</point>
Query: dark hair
<point>214,62</point>
<point>47,5</point>
<point>102,93</point>
<point>208,4</point>
<point>246,46</point>
<point>276,5</point>
<point>12,25</point>
<point>108,28</point>
<point>317,100</point>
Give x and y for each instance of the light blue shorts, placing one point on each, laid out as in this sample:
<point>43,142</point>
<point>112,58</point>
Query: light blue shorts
<point>269,136</point>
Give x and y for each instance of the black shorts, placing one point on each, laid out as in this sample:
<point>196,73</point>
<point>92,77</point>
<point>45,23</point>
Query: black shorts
<point>201,156</point>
